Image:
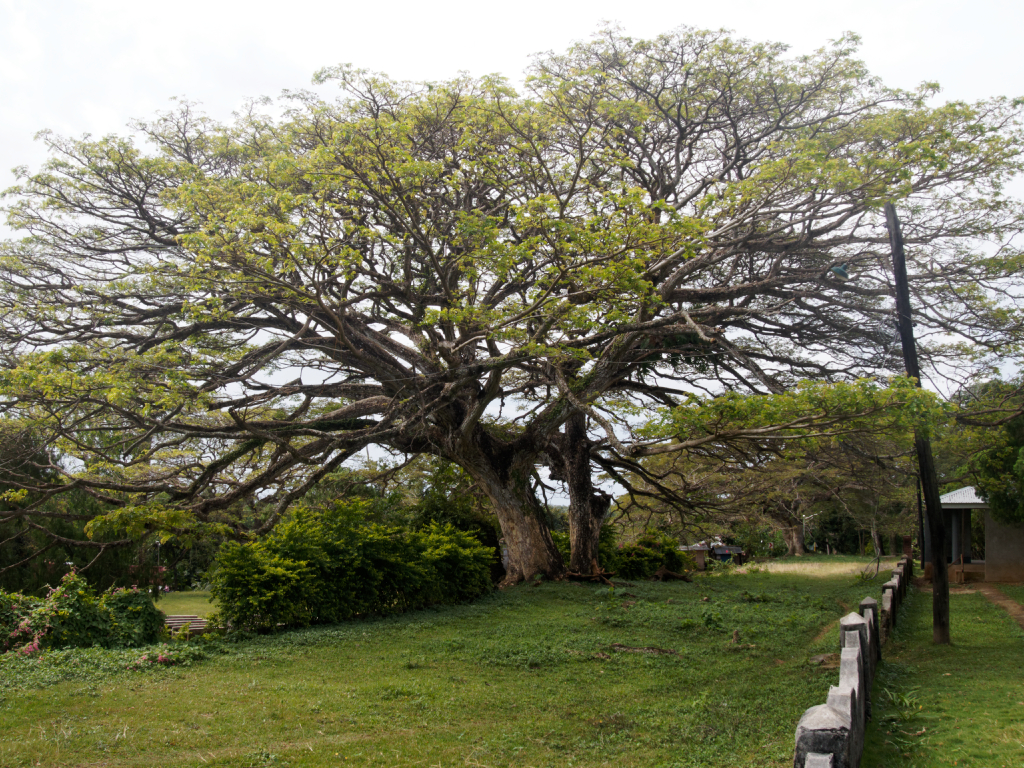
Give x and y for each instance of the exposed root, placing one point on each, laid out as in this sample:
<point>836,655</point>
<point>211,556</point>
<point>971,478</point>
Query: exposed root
<point>664,574</point>
<point>826,661</point>
<point>652,650</point>
<point>599,575</point>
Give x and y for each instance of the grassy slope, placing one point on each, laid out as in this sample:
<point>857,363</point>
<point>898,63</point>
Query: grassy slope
<point>957,705</point>
<point>513,680</point>
<point>186,604</point>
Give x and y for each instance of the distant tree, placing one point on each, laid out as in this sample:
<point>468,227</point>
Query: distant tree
<point>782,459</point>
<point>986,446</point>
<point>42,537</point>
<point>999,472</point>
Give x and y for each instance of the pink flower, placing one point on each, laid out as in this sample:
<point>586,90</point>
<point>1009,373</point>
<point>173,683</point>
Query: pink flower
<point>30,648</point>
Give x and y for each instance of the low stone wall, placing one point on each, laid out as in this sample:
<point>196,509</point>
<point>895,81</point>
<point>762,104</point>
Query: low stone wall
<point>831,735</point>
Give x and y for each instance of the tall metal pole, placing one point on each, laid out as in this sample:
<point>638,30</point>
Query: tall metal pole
<point>926,463</point>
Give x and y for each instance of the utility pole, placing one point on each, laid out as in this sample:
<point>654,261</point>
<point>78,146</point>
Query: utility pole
<point>922,540</point>
<point>926,463</point>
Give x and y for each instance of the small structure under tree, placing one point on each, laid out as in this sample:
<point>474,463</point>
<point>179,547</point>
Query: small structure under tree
<point>1004,541</point>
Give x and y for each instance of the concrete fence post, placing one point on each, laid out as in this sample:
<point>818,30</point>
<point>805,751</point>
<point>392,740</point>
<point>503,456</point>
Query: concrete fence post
<point>854,622</point>
<point>825,731</point>
<point>889,588</point>
<point>885,617</point>
<point>853,674</point>
<point>869,610</point>
<point>846,700</point>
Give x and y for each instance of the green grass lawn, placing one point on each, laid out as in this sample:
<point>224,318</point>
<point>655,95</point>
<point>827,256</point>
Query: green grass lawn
<point>186,604</point>
<point>526,677</point>
<point>959,705</point>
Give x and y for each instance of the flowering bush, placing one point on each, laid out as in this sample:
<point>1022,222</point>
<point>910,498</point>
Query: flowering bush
<point>165,656</point>
<point>15,627</point>
<point>72,616</point>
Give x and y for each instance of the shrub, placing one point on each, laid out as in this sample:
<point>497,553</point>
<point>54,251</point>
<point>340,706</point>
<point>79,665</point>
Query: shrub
<point>265,589</point>
<point>462,563</point>
<point>636,561</point>
<point>396,577</point>
<point>134,620</point>
<point>606,547</point>
<point>642,558</point>
<point>561,540</point>
<point>327,565</point>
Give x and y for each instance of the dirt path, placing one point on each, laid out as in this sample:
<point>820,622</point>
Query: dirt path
<point>996,597</point>
<point>827,628</point>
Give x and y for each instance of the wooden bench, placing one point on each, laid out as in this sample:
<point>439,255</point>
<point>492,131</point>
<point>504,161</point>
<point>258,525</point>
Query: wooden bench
<point>197,625</point>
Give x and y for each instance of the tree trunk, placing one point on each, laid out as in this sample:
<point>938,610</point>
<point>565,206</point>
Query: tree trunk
<point>794,538</point>
<point>587,509</point>
<point>876,539</point>
<point>530,548</point>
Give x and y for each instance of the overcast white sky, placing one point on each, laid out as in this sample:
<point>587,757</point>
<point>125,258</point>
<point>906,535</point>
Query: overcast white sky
<point>91,66</point>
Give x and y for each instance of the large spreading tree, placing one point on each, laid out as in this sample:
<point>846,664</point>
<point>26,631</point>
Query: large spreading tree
<point>207,319</point>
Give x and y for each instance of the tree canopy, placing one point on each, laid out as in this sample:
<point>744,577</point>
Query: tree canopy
<point>207,316</point>
<point>986,445</point>
<point>779,457</point>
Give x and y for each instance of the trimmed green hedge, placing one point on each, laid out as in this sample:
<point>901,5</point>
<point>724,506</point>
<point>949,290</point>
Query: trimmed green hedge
<point>73,616</point>
<point>326,565</point>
